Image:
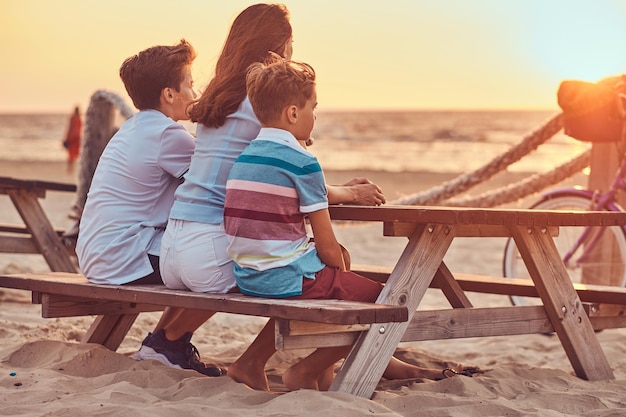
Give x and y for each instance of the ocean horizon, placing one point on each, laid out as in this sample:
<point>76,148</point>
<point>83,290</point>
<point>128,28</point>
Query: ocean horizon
<point>385,140</point>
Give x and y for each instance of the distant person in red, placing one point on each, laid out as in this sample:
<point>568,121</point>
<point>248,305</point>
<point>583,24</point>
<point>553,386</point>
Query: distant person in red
<point>72,140</point>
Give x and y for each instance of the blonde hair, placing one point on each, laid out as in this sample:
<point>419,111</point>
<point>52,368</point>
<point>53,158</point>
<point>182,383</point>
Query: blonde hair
<point>276,84</point>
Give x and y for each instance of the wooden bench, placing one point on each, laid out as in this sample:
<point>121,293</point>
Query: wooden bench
<point>64,294</point>
<point>313,323</point>
<point>375,329</point>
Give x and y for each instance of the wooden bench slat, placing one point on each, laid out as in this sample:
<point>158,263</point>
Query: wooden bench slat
<point>323,311</point>
<point>587,293</point>
<point>7,183</point>
<point>21,229</point>
<point>55,305</point>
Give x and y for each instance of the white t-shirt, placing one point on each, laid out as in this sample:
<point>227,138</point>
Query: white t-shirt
<point>130,198</point>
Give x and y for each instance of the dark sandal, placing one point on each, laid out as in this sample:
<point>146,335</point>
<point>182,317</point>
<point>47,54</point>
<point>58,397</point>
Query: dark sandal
<point>468,371</point>
<point>214,371</point>
<point>450,370</point>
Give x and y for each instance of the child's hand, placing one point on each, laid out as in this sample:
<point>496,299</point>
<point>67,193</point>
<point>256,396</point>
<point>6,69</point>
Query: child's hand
<point>346,257</point>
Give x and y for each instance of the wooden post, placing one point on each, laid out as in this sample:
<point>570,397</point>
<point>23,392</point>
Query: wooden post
<point>99,127</point>
<point>605,160</point>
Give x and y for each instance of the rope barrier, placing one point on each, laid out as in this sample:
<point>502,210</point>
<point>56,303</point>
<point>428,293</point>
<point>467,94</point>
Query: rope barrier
<point>437,194</point>
<point>531,185</point>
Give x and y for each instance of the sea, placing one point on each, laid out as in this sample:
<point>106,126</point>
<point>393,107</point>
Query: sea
<point>394,141</point>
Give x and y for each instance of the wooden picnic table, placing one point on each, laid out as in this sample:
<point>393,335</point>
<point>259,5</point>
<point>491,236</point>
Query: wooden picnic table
<point>373,332</point>
<point>37,235</point>
<point>431,231</point>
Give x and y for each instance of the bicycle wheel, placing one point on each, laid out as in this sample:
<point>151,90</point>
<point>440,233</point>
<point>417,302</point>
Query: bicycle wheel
<point>606,258</point>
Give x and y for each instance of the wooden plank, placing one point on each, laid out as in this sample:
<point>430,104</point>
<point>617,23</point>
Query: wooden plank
<point>295,334</point>
<point>8,183</point>
<point>373,272</point>
<point>496,321</point>
<point>18,244</point>
<point>451,324</point>
<point>42,231</point>
<point>21,229</point>
<point>54,305</point>
<point>508,286</point>
<point>477,322</point>
<point>476,216</point>
<point>562,304</point>
<point>463,230</point>
<point>406,286</point>
<point>315,340</point>
<point>26,245</point>
<point>450,288</point>
<point>603,166</point>
<point>109,330</point>
<point>324,311</point>
<point>298,327</point>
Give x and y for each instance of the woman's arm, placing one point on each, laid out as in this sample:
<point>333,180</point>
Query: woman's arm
<point>359,191</point>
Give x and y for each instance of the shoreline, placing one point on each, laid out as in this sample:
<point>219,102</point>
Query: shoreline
<point>394,184</point>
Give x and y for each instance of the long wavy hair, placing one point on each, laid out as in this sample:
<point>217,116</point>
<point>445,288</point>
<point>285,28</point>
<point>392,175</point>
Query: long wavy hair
<point>256,31</point>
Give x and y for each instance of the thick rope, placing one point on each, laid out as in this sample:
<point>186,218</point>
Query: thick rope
<point>96,134</point>
<point>524,188</point>
<point>463,182</point>
<point>117,101</point>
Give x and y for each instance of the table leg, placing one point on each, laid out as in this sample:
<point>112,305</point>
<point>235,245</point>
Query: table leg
<point>563,307</point>
<point>27,204</point>
<point>407,285</point>
<point>450,288</point>
<point>109,330</point>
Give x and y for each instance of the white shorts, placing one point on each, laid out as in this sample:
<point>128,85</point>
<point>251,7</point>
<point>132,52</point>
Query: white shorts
<point>194,257</point>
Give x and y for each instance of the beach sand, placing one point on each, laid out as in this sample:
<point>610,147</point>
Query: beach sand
<point>44,371</point>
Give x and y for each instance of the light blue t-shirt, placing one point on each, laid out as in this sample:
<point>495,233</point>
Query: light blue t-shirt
<point>130,198</point>
<point>201,197</point>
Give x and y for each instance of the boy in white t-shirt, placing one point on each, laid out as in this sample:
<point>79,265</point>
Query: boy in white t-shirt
<point>132,193</point>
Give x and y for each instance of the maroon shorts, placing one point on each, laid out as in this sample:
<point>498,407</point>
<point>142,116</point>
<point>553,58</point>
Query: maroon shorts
<point>334,283</point>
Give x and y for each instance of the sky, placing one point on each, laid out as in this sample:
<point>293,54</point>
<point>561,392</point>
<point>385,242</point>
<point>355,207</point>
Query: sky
<point>368,54</point>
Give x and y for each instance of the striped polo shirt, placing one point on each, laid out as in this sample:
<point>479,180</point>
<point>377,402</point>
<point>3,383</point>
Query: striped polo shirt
<point>272,186</point>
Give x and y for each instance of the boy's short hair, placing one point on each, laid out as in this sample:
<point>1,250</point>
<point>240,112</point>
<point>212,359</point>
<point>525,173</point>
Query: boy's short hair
<point>276,84</point>
<point>147,73</point>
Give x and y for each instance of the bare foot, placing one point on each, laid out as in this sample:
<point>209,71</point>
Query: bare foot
<point>325,379</point>
<point>252,376</point>
<point>295,380</point>
<point>398,369</point>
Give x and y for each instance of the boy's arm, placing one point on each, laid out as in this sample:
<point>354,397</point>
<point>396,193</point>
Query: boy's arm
<point>357,191</point>
<point>328,249</point>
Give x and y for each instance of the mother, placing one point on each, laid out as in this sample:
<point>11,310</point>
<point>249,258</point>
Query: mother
<point>193,253</point>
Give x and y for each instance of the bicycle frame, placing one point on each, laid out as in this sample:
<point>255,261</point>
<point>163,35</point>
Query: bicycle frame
<point>600,202</point>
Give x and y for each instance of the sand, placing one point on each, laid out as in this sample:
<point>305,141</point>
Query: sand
<point>45,371</point>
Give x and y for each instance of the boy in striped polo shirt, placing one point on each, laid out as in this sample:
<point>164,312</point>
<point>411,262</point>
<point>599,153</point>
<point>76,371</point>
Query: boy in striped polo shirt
<point>273,186</point>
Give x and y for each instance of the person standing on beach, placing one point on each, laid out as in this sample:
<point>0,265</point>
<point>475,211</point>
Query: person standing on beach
<point>193,252</point>
<point>132,192</point>
<point>72,139</point>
